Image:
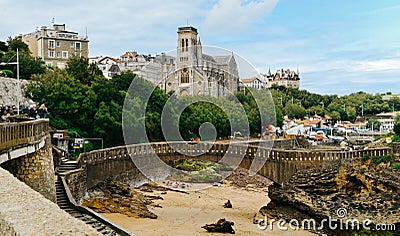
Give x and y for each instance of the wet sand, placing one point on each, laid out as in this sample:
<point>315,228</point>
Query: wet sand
<point>184,214</point>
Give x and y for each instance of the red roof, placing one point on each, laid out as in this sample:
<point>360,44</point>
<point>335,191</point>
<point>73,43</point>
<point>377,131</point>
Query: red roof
<point>249,80</point>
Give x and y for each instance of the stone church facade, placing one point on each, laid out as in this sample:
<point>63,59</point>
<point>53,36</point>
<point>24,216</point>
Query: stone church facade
<point>196,73</point>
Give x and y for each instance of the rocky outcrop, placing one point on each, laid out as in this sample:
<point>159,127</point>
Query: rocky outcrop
<point>9,92</point>
<point>346,190</point>
<point>119,197</point>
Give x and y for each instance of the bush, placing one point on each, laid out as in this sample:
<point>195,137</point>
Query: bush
<point>396,138</point>
<point>364,158</point>
<point>362,171</point>
<point>7,73</point>
<point>396,128</point>
<point>379,159</point>
<point>396,166</point>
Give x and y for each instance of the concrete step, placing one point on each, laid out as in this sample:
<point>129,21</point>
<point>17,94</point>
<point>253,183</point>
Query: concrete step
<point>101,227</point>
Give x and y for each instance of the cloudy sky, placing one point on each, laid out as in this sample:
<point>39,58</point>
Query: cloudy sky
<point>339,46</point>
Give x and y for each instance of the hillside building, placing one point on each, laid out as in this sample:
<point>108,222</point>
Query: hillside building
<point>55,45</point>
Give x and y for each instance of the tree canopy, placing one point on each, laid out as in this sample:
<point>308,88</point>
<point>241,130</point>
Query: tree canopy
<point>28,65</point>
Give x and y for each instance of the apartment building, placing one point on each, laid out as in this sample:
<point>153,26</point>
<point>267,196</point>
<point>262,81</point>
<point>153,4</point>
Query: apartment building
<point>55,45</point>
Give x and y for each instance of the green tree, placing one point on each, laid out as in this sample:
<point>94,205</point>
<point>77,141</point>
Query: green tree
<point>14,43</point>
<point>64,96</point>
<point>335,115</point>
<point>295,111</point>
<point>80,69</point>
<point>28,65</point>
<point>396,128</point>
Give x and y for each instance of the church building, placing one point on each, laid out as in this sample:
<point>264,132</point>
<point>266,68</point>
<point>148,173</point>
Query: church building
<point>196,73</point>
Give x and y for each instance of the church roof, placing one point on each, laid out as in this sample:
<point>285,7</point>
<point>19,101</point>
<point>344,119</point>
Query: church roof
<point>222,60</point>
<point>208,58</point>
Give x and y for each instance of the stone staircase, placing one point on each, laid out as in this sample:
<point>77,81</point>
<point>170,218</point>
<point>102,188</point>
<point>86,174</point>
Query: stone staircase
<point>64,203</point>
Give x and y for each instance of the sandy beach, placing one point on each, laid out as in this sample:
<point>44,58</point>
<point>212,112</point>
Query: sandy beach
<point>185,213</point>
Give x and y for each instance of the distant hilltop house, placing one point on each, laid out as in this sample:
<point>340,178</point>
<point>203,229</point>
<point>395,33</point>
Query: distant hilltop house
<point>254,82</point>
<point>190,72</point>
<point>107,65</point>
<point>387,120</point>
<point>56,45</point>
<point>286,78</point>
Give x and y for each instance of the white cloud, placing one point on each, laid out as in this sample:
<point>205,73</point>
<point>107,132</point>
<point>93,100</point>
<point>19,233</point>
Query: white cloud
<point>378,65</point>
<point>236,15</point>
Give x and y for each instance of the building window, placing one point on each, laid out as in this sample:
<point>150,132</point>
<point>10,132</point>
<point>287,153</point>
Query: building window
<point>58,54</point>
<point>71,44</point>
<point>58,44</point>
<point>65,54</point>
<point>51,44</point>
<point>51,53</point>
<point>78,54</point>
<point>183,45</point>
<point>187,44</point>
<point>77,46</point>
<point>184,76</point>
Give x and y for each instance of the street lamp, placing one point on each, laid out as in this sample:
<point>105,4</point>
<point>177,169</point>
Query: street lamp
<point>18,83</point>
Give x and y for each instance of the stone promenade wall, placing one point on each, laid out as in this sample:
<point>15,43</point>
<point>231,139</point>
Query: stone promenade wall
<point>36,170</point>
<point>24,211</point>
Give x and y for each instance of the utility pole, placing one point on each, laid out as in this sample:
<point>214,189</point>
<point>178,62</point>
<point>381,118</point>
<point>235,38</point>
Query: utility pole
<point>280,98</point>
<point>19,85</point>
<point>362,110</point>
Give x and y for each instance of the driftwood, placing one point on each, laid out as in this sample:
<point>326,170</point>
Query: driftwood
<point>228,204</point>
<point>222,226</point>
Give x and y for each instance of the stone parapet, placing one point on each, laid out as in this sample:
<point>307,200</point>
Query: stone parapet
<point>24,211</point>
<point>36,170</point>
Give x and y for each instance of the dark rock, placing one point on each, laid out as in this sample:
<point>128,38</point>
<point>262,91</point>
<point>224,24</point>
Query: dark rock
<point>222,226</point>
<point>228,204</point>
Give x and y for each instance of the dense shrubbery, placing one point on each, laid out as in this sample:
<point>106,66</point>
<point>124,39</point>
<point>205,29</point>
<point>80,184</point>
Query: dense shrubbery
<point>365,158</point>
<point>396,166</point>
<point>380,159</point>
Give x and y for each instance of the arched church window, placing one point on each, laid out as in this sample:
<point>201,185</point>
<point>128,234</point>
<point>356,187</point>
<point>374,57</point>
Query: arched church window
<point>187,44</point>
<point>183,45</point>
<point>184,76</point>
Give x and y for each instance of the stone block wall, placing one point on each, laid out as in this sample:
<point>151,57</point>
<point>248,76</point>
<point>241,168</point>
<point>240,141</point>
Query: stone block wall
<point>36,170</point>
<point>76,182</point>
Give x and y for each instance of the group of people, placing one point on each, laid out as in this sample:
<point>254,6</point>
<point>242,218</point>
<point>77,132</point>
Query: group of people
<point>37,113</point>
<point>6,111</point>
<point>32,112</point>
